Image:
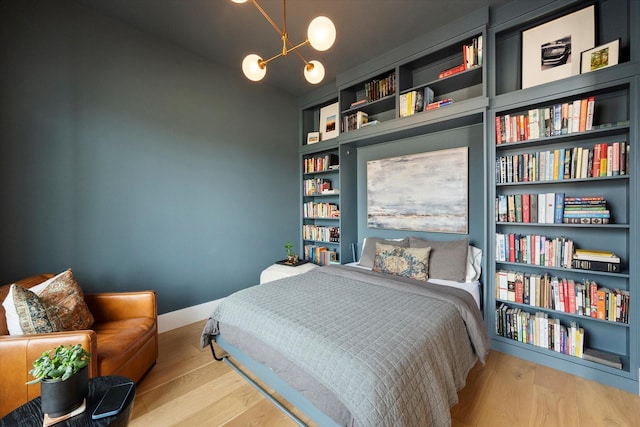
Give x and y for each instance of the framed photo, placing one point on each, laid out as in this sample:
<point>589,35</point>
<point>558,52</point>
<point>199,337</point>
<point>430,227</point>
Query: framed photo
<point>602,56</point>
<point>329,122</point>
<point>313,137</point>
<point>419,192</point>
<point>551,51</point>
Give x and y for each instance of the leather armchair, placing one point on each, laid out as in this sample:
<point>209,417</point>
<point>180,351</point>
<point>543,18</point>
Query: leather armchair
<point>122,341</point>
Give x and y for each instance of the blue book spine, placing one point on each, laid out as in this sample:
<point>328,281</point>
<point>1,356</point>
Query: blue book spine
<point>559,208</point>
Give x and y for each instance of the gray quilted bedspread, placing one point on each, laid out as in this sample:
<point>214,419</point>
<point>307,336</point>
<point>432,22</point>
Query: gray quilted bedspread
<point>393,352</point>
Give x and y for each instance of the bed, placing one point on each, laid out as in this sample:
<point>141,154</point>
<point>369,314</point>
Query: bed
<point>349,346</point>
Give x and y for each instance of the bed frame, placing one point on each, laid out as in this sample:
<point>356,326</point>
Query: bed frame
<point>267,375</point>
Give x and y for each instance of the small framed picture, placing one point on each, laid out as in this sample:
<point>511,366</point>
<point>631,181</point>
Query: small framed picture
<point>329,121</point>
<point>602,56</point>
<point>313,137</point>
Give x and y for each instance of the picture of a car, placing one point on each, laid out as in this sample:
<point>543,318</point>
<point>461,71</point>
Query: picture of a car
<point>556,52</point>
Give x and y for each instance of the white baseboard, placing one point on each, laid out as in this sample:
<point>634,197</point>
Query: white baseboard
<point>186,316</point>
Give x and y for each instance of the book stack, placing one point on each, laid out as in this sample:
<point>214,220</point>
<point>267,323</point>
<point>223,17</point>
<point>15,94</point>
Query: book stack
<point>415,101</point>
<point>603,160</point>
<point>602,357</point>
<point>534,249</point>
<point>588,259</point>
<point>354,121</point>
<point>585,210</point>
<point>552,120</point>
<point>438,104</point>
<point>320,163</point>
<point>540,330</point>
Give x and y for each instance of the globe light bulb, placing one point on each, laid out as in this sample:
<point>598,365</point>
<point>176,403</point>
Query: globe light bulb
<point>314,72</point>
<point>239,1</point>
<point>321,33</point>
<point>252,68</point>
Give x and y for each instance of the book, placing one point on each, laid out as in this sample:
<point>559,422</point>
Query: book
<point>451,71</point>
<point>602,256</point>
<point>602,357</point>
<point>582,264</point>
<point>438,104</point>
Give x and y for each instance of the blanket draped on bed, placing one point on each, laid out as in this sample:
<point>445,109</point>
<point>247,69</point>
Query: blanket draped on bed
<point>394,353</point>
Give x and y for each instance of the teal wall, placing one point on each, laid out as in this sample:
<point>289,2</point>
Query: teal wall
<point>137,163</point>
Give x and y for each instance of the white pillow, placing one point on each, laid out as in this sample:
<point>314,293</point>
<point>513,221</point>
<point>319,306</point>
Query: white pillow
<point>13,320</point>
<point>474,264</point>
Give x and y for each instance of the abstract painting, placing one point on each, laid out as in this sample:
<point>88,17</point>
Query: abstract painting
<point>419,192</point>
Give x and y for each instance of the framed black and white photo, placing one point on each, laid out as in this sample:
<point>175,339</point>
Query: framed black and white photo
<point>329,122</point>
<point>599,57</point>
<point>551,51</point>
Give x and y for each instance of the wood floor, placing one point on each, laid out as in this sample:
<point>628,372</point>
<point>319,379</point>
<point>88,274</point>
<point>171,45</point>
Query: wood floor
<point>188,388</point>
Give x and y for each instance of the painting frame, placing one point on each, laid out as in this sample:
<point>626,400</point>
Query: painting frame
<point>551,51</point>
<point>426,192</point>
<point>592,59</point>
<point>329,121</point>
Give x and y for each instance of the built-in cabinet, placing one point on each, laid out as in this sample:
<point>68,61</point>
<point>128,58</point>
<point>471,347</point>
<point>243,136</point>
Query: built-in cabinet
<point>483,93</point>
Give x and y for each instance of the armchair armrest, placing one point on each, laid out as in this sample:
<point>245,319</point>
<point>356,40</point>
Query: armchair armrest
<point>19,352</point>
<point>122,305</point>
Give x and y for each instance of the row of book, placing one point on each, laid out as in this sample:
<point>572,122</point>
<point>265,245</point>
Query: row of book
<point>552,120</point>
<point>415,101</point>
<point>377,89</point>
<point>534,249</point>
<point>354,121</point>
<point>565,295</point>
<point>604,159</point>
<point>551,208</point>
<point>320,163</point>
<point>316,186</point>
<point>320,210</point>
<point>320,233</point>
<point>540,330</point>
<point>471,57</point>
<point>320,255</point>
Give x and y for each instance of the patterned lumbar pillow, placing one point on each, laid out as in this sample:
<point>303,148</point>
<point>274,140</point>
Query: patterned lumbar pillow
<point>406,262</point>
<point>35,316</point>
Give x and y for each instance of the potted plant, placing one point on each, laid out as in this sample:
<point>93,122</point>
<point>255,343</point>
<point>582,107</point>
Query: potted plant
<point>292,258</point>
<point>64,379</point>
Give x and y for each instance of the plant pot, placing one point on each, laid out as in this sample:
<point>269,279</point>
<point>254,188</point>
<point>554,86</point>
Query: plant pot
<point>292,259</point>
<point>61,397</point>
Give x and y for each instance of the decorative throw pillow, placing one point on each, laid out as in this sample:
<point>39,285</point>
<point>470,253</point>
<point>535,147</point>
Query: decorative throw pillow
<point>11,315</point>
<point>369,249</point>
<point>63,294</point>
<point>406,262</point>
<point>35,316</point>
<point>448,259</point>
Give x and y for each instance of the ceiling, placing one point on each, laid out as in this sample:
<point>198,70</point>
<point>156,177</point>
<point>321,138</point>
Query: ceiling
<point>225,32</point>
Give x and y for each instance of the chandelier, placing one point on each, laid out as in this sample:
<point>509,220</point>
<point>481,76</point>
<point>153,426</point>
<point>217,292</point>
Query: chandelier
<point>321,34</point>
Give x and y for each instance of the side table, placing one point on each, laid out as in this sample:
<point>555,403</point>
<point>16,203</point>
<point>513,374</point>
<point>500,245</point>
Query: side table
<point>279,271</point>
<point>30,414</point>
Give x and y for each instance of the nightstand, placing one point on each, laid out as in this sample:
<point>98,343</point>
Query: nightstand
<point>280,271</point>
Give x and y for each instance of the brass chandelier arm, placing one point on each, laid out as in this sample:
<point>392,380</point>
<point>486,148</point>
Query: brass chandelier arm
<point>268,18</point>
<point>286,51</point>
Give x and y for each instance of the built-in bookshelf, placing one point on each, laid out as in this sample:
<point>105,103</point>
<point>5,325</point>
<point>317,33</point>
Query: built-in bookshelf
<point>562,174</point>
<point>321,207</point>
